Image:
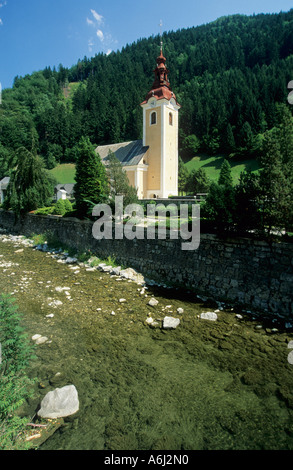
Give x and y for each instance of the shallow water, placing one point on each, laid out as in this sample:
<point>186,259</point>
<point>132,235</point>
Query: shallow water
<point>206,385</point>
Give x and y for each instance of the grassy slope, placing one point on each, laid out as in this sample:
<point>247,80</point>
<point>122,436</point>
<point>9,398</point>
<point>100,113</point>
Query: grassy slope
<point>64,173</point>
<point>212,165</point>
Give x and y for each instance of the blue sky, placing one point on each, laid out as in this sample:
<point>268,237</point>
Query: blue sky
<point>39,33</point>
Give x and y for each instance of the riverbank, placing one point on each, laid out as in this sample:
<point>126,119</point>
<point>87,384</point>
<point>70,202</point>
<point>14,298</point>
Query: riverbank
<point>223,384</point>
<point>250,273</point>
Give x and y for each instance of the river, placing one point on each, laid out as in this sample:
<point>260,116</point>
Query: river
<point>224,384</point>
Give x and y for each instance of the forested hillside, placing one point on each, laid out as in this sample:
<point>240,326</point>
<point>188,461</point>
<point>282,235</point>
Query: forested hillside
<point>227,75</point>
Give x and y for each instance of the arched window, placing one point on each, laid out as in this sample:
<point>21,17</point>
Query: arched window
<point>171,119</point>
<point>153,118</point>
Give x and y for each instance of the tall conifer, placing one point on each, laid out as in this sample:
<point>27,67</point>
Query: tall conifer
<point>91,179</point>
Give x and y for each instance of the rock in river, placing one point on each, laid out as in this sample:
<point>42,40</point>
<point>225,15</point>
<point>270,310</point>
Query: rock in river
<point>60,403</point>
<point>209,316</point>
<point>170,323</point>
<point>39,339</point>
<point>153,302</point>
<point>290,357</point>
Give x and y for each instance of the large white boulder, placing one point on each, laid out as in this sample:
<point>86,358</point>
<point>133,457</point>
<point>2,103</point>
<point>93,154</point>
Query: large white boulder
<point>60,403</point>
<point>290,357</point>
<point>170,323</point>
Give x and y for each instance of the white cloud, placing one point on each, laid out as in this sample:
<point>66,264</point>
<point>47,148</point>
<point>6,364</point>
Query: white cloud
<point>105,40</point>
<point>2,5</point>
<point>98,18</point>
<point>90,45</point>
<point>100,35</point>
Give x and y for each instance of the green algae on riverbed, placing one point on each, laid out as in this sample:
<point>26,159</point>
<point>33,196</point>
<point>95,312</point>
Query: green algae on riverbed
<point>206,385</point>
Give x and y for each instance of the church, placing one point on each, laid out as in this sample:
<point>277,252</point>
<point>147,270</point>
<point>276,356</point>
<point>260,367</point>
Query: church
<point>151,164</point>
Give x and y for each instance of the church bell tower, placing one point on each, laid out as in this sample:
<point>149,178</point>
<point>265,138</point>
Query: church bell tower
<point>160,134</point>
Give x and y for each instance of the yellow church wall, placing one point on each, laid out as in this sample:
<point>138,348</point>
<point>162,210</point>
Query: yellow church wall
<point>137,177</point>
<point>171,151</point>
<point>145,184</point>
<point>131,177</point>
<point>140,183</point>
<point>153,139</point>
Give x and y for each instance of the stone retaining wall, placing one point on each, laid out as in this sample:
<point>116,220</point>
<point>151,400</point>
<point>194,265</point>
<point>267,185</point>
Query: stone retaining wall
<point>244,271</point>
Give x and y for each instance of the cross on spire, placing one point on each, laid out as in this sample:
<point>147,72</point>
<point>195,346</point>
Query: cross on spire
<point>161,33</point>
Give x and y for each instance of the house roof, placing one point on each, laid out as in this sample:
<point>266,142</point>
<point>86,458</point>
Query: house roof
<point>66,187</point>
<point>4,182</point>
<point>128,153</point>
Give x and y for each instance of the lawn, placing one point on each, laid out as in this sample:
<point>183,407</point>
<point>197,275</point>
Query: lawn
<point>212,165</point>
<point>64,173</point>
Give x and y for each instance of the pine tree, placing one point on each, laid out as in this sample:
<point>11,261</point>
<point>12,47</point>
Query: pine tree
<point>247,192</point>
<point>229,140</point>
<point>220,206</point>
<point>91,179</point>
<point>198,182</point>
<point>225,177</point>
<point>182,175</point>
<point>275,198</point>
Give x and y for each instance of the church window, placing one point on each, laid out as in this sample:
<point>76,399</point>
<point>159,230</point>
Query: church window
<point>153,118</point>
<point>171,119</point>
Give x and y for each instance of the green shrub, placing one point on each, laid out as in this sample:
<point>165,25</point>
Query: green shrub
<point>39,239</point>
<point>85,256</point>
<point>68,205</point>
<point>16,387</point>
<point>44,211</point>
<point>59,208</point>
<point>94,261</point>
<point>111,261</point>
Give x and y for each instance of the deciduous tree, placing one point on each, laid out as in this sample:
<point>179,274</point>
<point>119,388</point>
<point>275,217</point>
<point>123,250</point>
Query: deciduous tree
<point>30,186</point>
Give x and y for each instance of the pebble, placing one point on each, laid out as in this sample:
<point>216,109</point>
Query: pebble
<point>35,337</point>
<point>39,339</point>
<point>209,316</point>
<point>55,303</point>
<point>153,302</point>
<point>70,260</point>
